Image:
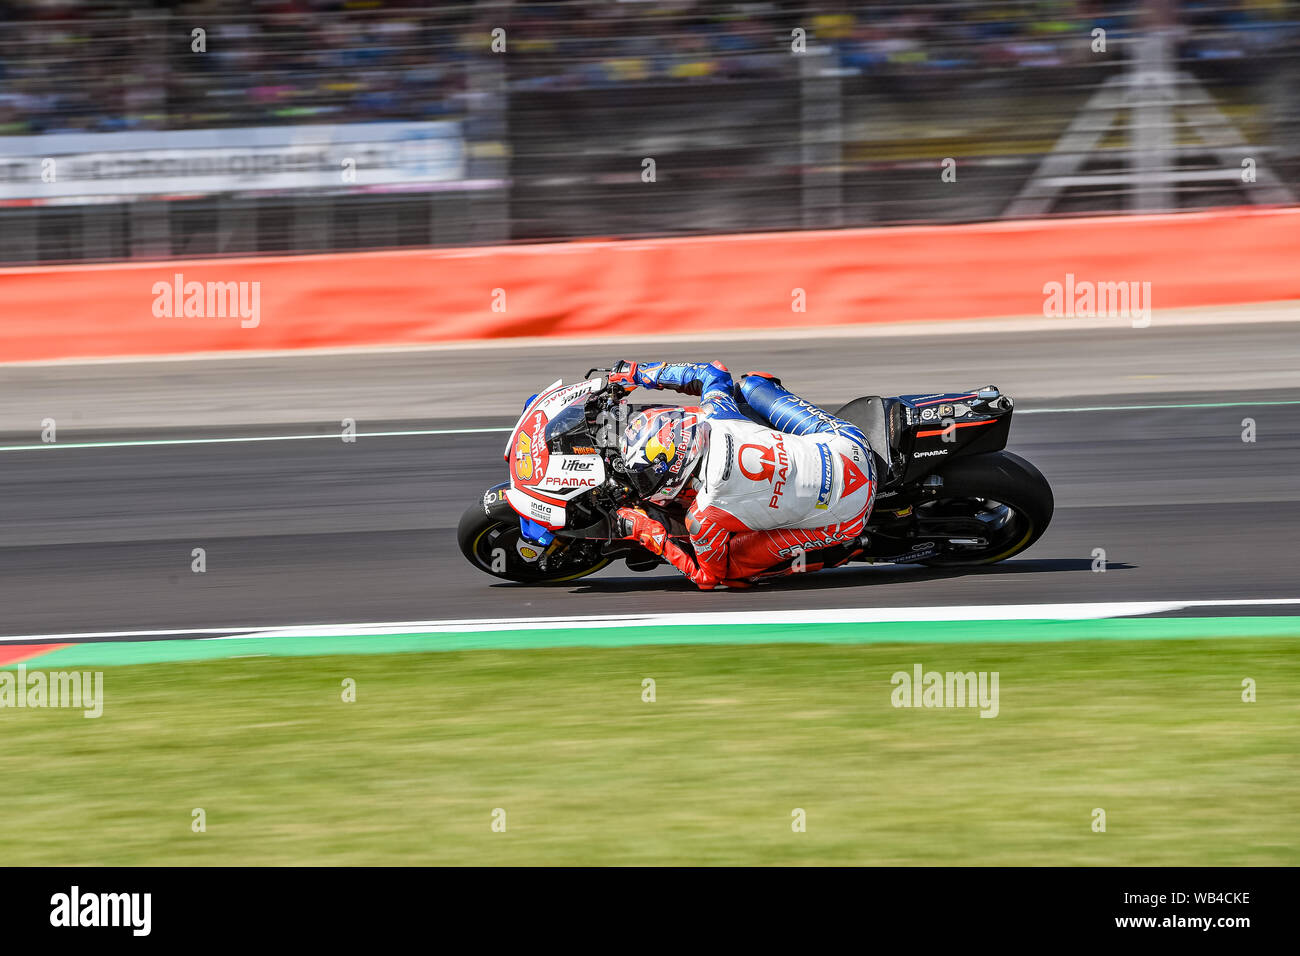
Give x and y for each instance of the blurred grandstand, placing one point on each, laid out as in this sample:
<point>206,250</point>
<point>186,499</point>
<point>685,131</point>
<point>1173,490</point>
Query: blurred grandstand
<point>166,143</point>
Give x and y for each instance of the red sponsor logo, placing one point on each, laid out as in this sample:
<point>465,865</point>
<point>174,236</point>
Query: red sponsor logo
<point>773,464</point>
<point>531,454</point>
<point>570,482</point>
<point>766,462</point>
<point>831,538</point>
<point>782,471</point>
<point>853,477</point>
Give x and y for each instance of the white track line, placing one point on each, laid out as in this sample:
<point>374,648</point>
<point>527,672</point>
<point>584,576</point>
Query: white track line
<point>855,615</point>
<point>487,430</point>
<point>239,439</point>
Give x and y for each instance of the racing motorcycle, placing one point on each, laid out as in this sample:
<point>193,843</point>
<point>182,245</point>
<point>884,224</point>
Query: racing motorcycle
<point>947,494</point>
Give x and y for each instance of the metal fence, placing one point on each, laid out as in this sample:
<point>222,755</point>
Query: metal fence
<point>577,119</point>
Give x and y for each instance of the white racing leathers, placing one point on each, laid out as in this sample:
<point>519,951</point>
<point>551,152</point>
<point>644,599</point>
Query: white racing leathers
<point>765,495</point>
<point>768,479</point>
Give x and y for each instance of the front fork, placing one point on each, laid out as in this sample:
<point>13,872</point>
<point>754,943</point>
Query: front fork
<point>550,545</point>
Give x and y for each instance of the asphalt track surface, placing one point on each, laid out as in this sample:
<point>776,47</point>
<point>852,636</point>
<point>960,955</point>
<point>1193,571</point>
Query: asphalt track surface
<point>1253,347</point>
<point>323,531</point>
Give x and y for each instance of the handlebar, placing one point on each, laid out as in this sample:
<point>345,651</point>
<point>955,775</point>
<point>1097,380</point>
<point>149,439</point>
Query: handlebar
<point>608,388</point>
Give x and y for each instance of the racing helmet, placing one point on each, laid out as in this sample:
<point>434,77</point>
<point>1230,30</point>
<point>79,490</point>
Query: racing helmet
<point>661,447</point>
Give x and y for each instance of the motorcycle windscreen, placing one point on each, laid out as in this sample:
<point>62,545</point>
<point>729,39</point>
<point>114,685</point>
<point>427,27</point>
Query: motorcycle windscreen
<point>570,419</point>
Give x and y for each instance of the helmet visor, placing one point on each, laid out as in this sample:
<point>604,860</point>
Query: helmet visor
<point>648,481</point>
<point>661,448</point>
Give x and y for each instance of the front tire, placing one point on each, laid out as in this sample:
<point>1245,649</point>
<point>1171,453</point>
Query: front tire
<point>490,542</point>
<point>1001,490</point>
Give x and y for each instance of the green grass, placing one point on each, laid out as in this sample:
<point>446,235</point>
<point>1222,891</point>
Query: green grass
<point>1155,733</point>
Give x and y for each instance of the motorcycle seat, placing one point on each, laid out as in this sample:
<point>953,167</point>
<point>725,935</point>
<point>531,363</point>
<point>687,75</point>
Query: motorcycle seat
<point>882,422</point>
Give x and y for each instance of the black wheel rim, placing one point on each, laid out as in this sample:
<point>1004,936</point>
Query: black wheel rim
<point>974,529</point>
<point>496,550</point>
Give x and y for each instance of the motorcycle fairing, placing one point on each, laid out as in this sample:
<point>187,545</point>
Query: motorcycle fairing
<point>541,482</point>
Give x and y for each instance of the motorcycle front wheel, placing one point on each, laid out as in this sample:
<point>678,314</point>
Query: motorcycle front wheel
<point>494,544</point>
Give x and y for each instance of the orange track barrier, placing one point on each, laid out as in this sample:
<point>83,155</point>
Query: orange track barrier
<point>709,284</point>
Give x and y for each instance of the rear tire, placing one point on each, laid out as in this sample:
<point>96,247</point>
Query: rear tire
<point>1006,480</point>
<point>488,539</point>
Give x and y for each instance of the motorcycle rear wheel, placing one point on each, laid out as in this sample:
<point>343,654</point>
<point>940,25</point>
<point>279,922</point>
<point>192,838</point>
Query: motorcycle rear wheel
<point>999,491</point>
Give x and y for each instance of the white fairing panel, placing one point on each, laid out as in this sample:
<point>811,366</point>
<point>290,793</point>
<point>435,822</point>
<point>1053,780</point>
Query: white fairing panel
<point>540,484</point>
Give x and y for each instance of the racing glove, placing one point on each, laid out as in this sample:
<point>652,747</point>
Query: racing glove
<point>646,531</point>
<point>624,374</point>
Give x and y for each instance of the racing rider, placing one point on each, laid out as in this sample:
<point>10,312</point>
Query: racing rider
<point>758,496</point>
